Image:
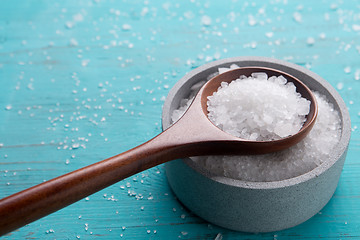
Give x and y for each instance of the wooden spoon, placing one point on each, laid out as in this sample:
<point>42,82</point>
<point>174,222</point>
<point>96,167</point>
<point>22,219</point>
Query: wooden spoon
<point>192,135</point>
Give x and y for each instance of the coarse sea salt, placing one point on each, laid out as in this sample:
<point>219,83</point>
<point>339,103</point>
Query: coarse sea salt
<point>258,108</point>
<point>292,162</point>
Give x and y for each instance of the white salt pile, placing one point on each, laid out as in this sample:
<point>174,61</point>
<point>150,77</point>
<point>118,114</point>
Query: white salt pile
<point>295,161</point>
<point>258,108</point>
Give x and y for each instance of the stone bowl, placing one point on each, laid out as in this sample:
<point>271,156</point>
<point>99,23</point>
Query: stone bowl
<point>256,206</point>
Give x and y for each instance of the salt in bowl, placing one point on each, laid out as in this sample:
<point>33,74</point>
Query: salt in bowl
<point>256,206</point>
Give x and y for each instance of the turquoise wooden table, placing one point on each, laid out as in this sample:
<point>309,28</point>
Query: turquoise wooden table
<point>81,81</point>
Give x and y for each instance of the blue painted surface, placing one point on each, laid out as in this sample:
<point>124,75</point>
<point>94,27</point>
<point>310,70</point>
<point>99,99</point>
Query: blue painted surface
<point>81,81</point>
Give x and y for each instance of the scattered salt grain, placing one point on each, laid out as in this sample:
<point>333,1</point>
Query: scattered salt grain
<point>251,20</point>
<point>357,74</point>
<point>322,36</point>
<point>340,85</point>
<point>75,145</point>
<point>333,6</point>
<point>310,41</point>
<point>206,20</point>
<point>69,25</point>
<point>297,17</point>
<point>347,69</point>
<point>78,17</point>
<point>269,34</point>
<point>356,27</point>
<point>85,62</point>
<point>126,27</point>
<point>73,42</point>
<point>50,231</point>
<point>218,237</point>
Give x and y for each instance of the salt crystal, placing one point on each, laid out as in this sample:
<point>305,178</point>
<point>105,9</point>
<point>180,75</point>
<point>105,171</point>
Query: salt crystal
<point>50,231</point>
<point>85,62</point>
<point>297,17</point>
<point>356,27</point>
<point>126,27</point>
<point>222,70</point>
<point>206,20</point>
<point>340,85</point>
<point>357,74</point>
<point>333,6</point>
<point>347,69</point>
<point>310,41</point>
<point>75,145</point>
<point>269,34</point>
<point>69,25</point>
<point>259,75</point>
<point>251,20</point>
<point>73,42</point>
<point>78,17</point>
<point>322,36</point>
<point>219,236</point>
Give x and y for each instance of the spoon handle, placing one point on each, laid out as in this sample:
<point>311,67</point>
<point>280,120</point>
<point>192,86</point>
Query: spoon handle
<point>183,139</point>
<point>36,202</point>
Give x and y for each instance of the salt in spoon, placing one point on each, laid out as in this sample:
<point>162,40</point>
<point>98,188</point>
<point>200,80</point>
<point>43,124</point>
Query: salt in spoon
<point>192,135</point>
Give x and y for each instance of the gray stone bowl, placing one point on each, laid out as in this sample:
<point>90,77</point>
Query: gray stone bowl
<point>256,206</point>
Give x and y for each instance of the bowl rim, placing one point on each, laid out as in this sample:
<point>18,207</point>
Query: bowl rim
<point>336,153</point>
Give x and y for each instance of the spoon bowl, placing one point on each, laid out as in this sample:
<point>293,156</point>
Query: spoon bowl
<point>192,135</point>
<point>261,147</point>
